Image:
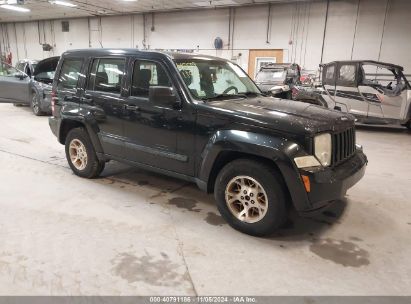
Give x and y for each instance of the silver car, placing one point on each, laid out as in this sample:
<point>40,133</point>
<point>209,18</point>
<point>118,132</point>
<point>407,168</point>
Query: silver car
<point>28,84</point>
<point>374,92</point>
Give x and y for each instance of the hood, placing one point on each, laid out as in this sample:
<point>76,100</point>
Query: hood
<point>44,68</point>
<point>285,115</point>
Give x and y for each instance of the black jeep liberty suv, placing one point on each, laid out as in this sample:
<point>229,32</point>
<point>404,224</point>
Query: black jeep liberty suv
<point>202,119</point>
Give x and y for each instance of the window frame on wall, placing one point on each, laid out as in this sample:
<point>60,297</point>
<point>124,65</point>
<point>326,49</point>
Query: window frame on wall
<point>157,63</point>
<point>91,78</point>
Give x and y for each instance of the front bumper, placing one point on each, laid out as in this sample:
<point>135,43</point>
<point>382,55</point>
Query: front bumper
<point>330,184</point>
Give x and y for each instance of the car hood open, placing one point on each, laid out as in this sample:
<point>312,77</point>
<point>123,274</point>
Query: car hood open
<point>46,65</point>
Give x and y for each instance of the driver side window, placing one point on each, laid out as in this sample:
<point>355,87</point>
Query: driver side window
<point>8,71</point>
<point>147,74</point>
<point>377,76</point>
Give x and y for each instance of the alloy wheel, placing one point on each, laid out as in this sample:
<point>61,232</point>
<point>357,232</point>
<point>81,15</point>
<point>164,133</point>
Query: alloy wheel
<point>246,199</point>
<point>35,104</point>
<point>78,154</point>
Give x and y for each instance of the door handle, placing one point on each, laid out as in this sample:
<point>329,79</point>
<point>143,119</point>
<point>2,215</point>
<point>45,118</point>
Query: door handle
<point>132,107</point>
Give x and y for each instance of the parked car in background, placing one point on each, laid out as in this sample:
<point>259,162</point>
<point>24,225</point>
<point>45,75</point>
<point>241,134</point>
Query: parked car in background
<point>374,92</point>
<point>27,66</point>
<point>278,79</point>
<point>309,77</point>
<point>203,120</point>
<point>30,86</point>
<point>310,94</point>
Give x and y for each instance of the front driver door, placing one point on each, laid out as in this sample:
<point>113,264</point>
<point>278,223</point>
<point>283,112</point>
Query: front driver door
<point>152,130</point>
<point>14,85</point>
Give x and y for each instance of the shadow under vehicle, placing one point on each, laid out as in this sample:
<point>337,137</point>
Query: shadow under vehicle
<point>278,79</point>
<point>29,86</point>
<point>374,92</point>
<point>203,120</point>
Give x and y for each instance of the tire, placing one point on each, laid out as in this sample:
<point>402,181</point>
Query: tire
<point>78,141</point>
<point>252,173</point>
<point>408,125</point>
<point>35,105</point>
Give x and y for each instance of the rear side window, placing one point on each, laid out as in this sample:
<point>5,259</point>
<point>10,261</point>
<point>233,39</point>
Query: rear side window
<point>346,75</point>
<point>106,75</point>
<point>147,74</point>
<point>69,74</point>
<point>330,73</point>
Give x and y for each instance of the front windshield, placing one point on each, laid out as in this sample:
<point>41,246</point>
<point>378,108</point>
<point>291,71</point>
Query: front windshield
<point>271,75</point>
<point>207,79</point>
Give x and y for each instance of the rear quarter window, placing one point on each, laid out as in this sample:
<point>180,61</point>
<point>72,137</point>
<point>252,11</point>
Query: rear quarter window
<point>69,73</point>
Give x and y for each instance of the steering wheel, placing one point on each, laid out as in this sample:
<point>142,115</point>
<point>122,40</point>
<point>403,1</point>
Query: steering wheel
<point>389,86</point>
<point>230,88</point>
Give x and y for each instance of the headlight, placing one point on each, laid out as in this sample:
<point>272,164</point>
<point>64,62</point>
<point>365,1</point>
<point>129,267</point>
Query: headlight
<point>322,148</point>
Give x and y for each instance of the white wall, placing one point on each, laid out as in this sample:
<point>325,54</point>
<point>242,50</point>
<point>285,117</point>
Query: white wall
<point>296,28</point>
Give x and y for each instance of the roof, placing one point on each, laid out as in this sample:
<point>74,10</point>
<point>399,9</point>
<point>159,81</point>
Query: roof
<point>371,62</point>
<point>130,51</point>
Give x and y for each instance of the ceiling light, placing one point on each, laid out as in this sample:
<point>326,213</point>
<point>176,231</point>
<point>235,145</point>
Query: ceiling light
<point>64,3</point>
<point>129,0</point>
<point>15,8</point>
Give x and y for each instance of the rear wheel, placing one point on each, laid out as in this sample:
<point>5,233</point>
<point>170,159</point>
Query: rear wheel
<point>35,105</point>
<point>250,196</point>
<point>81,155</point>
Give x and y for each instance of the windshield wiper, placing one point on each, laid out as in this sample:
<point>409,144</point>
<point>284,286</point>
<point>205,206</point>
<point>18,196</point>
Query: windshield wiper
<point>241,95</point>
<point>219,96</point>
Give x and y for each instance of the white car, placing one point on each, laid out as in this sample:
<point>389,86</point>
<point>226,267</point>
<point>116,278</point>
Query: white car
<point>374,92</point>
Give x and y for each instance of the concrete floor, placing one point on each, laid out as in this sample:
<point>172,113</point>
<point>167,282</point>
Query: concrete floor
<point>136,233</point>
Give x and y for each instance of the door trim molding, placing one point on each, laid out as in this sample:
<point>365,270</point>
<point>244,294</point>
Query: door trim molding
<point>157,152</point>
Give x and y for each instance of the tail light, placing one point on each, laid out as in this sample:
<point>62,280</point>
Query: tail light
<point>53,101</point>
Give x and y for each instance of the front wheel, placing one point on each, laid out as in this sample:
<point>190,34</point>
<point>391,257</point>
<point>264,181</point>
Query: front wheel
<point>35,105</point>
<point>250,196</point>
<point>81,155</point>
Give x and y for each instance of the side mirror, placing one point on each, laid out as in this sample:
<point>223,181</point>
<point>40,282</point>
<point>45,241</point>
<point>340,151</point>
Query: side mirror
<point>162,96</point>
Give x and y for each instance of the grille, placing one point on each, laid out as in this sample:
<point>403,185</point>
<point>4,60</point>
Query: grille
<point>343,145</point>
